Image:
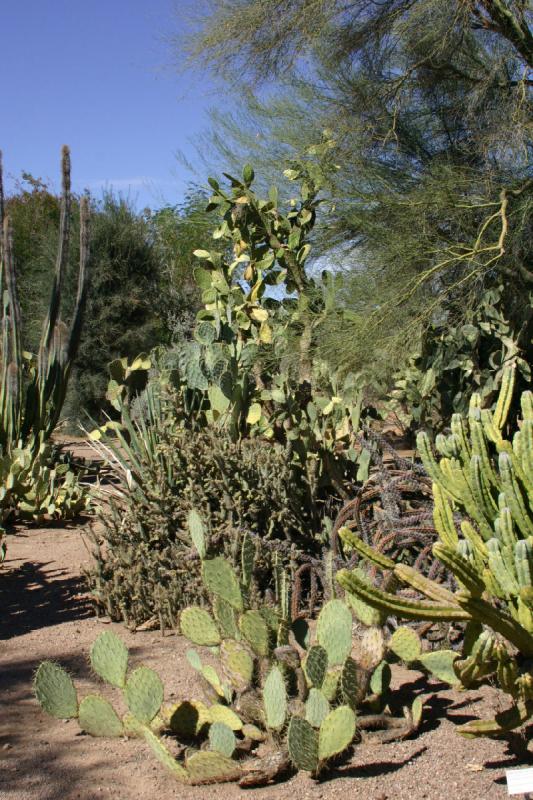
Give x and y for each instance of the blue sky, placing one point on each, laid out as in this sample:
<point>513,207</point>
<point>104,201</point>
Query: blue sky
<point>99,76</point>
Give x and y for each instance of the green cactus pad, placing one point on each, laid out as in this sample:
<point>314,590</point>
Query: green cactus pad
<point>194,659</point>
<point>165,756</point>
<point>316,708</point>
<point>380,680</point>
<point>353,685</point>
<point>209,767</point>
<point>316,665</point>
<point>109,659</point>
<point>97,717</point>
<point>222,739</point>
<point>143,694</point>
<point>226,618</point>
<point>440,664</point>
<point>271,617</point>
<point>336,732</point>
<point>132,727</point>
<point>371,648</point>
<point>405,643</point>
<point>197,532</point>
<point>255,630</point>
<point>219,713</point>
<point>330,684</point>
<point>417,710</point>
<point>275,699</point>
<point>55,691</point>
<point>187,718</point>
<point>220,580</point>
<point>302,741</point>
<point>334,631</point>
<point>210,674</point>
<point>364,613</point>
<point>198,626</point>
<point>253,732</point>
<point>237,663</point>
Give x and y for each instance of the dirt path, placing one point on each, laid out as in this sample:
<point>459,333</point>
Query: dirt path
<point>44,614</point>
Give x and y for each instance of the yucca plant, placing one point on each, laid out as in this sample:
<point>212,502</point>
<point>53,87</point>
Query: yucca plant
<point>33,388</point>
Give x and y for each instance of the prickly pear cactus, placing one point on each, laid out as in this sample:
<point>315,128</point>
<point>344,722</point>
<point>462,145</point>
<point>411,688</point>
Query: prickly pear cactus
<point>296,703</point>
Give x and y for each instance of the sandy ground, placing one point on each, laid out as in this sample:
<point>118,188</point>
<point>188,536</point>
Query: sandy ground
<point>44,614</point>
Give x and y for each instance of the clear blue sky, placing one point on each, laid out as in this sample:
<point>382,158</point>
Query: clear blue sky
<point>99,76</point>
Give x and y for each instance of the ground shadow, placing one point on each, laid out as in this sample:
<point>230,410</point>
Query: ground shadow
<point>33,597</point>
<point>375,769</point>
<point>436,704</point>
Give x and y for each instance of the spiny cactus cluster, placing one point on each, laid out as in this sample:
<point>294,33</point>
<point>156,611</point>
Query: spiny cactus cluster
<point>281,696</point>
<point>145,567</point>
<point>296,691</point>
<point>489,480</point>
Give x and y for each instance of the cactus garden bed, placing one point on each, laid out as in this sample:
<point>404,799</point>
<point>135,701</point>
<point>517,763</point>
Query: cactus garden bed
<point>44,759</point>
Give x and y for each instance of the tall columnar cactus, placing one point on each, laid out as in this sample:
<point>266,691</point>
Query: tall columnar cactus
<point>30,411</point>
<point>483,492</point>
<point>33,388</point>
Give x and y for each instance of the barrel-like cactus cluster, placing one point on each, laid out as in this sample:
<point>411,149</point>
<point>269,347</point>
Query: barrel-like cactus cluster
<point>483,491</point>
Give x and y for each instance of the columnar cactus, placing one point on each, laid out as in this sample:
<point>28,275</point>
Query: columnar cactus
<point>489,481</point>
<point>33,388</point>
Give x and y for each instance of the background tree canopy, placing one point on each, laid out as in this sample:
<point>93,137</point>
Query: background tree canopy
<point>426,109</point>
<point>141,292</point>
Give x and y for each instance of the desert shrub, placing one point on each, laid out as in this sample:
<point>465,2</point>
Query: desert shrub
<point>458,358</point>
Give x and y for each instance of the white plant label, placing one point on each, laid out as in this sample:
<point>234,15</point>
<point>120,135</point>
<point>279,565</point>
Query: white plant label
<point>519,781</point>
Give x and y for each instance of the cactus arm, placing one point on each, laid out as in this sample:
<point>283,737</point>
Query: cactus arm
<point>353,540</point>
<point>400,606</point>
<point>514,496</point>
<point>61,262</point>
<point>443,517</point>
<point>432,589</point>
<point>461,567</point>
<point>505,396</point>
<point>499,621</point>
<point>503,723</point>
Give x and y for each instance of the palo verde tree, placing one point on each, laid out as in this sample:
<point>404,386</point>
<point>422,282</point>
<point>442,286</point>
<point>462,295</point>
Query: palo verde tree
<point>429,105</point>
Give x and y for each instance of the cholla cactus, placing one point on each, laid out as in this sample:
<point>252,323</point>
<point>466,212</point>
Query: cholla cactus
<point>489,480</point>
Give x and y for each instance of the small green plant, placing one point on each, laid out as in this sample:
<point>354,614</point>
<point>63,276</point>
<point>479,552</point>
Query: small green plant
<point>33,388</point>
<point>488,480</point>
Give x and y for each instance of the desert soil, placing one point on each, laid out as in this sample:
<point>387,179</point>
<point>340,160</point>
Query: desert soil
<point>45,614</point>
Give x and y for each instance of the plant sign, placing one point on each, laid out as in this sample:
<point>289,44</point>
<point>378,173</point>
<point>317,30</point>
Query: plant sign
<point>520,781</point>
